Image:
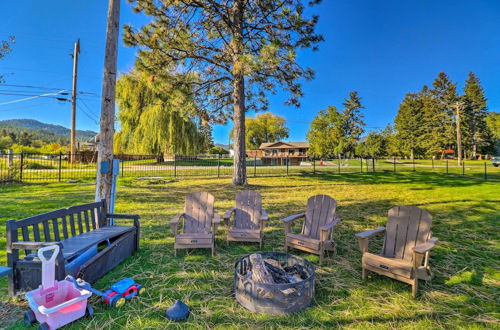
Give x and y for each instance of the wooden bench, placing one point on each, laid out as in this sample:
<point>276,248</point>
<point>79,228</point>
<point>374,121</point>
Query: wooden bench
<point>75,229</point>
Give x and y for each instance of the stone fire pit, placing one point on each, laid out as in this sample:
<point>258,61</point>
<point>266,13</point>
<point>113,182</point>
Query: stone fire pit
<point>273,283</point>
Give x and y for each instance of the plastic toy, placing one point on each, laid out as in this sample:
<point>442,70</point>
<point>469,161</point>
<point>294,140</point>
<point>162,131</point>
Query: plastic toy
<point>117,294</point>
<point>179,311</point>
<point>55,303</point>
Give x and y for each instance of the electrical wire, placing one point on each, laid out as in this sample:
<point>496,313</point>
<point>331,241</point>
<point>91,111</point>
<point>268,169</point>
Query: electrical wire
<point>33,97</point>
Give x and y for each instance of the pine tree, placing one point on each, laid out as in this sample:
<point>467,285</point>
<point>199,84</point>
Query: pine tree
<point>234,51</point>
<point>409,123</point>
<point>353,124</point>
<point>475,112</point>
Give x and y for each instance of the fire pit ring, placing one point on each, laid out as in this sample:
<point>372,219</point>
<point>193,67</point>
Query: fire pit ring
<point>275,298</point>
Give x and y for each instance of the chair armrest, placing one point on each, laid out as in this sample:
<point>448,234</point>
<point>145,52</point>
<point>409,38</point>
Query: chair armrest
<point>330,225</point>
<point>365,236</point>
<point>423,248</point>
<point>174,222</point>
<point>216,222</point>
<point>326,229</point>
<point>294,217</point>
<point>370,233</point>
<point>263,215</point>
<point>31,245</point>
<point>227,215</point>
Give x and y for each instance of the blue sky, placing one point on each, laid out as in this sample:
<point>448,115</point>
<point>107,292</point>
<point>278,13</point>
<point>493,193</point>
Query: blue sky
<point>382,49</point>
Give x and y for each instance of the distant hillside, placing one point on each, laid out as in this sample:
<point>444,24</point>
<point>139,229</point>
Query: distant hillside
<point>44,131</point>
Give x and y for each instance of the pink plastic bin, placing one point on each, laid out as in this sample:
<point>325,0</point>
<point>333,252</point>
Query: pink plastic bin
<point>56,303</point>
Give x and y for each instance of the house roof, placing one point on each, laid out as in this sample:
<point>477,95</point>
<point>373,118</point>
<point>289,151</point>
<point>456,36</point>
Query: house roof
<point>281,144</point>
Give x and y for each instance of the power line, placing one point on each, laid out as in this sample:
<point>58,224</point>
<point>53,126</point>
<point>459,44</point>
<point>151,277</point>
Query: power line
<point>88,108</point>
<point>30,86</point>
<point>24,107</point>
<point>87,114</point>
<point>32,97</point>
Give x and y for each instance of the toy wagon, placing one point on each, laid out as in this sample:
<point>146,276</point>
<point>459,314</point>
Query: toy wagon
<point>55,303</point>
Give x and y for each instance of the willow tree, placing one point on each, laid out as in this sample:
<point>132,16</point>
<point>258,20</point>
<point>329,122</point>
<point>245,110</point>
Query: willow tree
<point>236,51</point>
<point>154,117</point>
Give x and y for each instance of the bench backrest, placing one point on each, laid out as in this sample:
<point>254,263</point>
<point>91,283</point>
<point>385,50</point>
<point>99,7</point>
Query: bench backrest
<point>59,224</point>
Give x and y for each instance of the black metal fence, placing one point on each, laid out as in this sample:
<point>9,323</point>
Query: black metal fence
<point>82,166</point>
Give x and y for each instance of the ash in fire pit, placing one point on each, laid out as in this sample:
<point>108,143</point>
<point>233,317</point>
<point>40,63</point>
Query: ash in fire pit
<point>274,283</point>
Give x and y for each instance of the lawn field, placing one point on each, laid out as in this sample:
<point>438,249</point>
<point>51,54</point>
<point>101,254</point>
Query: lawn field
<point>464,294</point>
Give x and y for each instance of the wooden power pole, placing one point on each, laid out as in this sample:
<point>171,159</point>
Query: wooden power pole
<point>73,101</point>
<point>105,144</point>
<point>459,135</point>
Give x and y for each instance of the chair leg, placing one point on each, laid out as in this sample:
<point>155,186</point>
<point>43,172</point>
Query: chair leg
<point>321,256</point>
<point>213,251</point>
<point>260,245</point>
<point>175,252</point>
<point>414,288</point>
<point>363,273</point>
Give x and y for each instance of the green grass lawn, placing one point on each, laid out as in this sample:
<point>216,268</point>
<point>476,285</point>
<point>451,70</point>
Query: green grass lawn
<point>465,292</point>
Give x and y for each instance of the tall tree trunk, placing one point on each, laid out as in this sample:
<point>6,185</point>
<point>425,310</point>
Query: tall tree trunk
<point>239,166</point>
<point>411,154</point>
<point>239,161</point>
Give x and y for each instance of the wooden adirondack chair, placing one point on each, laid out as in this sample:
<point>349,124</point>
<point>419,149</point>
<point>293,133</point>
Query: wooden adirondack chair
<point>405,255</point>
<point>249,218</point>
<point>199,225</point>
<point>317,231</point>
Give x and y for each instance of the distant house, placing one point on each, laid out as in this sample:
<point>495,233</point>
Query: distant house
<point>276,153</point>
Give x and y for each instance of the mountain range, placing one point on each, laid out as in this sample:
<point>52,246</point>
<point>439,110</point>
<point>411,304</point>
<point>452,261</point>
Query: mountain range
<point>43,131</point>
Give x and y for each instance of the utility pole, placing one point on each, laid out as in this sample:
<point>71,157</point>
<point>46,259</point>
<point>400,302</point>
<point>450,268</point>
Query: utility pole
<point>73,101</point>
<point>459,135</point>
<point>105,144</point>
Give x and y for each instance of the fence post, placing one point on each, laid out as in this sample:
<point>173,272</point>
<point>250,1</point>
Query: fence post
<point>485,173</point>
<point>122,173</point>
<point>287,161</point>
<point>175,166</point>
<point>361,163</point>
<point>339,165</point>
<point>463,168</point>
<point>447,166</point>
<point>433,163</point>
<point>394,164</point>
<point>255,165</point>
<point>60,166</point>
<point>314,165</point>
<point>21,168</point>
<point>218,166</point>
<point>10,158</point>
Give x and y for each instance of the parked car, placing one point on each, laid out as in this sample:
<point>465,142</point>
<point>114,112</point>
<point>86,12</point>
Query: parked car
<point>495,161</point>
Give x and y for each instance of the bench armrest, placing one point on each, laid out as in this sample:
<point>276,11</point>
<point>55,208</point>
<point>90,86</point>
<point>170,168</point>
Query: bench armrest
<point>123,216</point>
<point>423,248</point>
<point>31,245</point>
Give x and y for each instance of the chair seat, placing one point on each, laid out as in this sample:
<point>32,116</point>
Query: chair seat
<point>237,233</point>
<point>194,238</point>
<point>303,240</point>
<point>395,266</point>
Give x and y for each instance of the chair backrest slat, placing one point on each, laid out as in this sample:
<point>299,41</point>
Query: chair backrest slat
<point>199,210</point>
<point>320,211</point>
<point>248,209</point>
<point>406,227</point>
